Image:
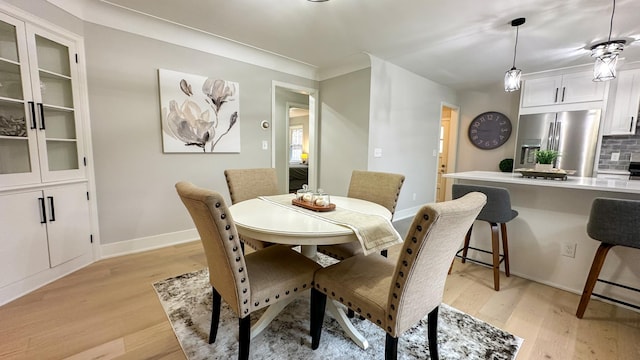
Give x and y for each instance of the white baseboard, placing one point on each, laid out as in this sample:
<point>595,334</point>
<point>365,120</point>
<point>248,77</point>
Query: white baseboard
<point>406,213</point>
<point>147,243</point>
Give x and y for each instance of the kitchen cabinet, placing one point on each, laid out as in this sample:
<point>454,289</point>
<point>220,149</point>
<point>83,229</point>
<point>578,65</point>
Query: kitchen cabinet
<point>562,89</point>
<point>39,121</point>
<point>622,115</point>
<point>42,229</point>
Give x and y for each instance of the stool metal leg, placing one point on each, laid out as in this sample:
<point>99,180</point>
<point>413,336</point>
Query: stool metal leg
<point>495,245</point>
<point>505,248</point>
<point>596,266</point>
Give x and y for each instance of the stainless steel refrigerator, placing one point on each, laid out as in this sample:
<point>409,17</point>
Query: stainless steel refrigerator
<point>574,134</point>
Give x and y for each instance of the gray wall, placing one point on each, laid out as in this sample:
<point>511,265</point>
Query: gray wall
<point>405,124</point>
<point>474,103</point>
<point>134,178</point>
<point>50,13</point>
<point>344,129</point>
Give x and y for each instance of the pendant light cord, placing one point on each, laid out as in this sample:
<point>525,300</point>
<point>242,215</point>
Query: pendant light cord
<point>611,24</point>
<point>515,48</point>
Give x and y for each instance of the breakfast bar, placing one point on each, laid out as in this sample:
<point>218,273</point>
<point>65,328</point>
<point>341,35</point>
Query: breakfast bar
<point>548,242</point>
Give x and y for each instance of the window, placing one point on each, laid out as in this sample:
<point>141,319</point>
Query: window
<point>295,141</point>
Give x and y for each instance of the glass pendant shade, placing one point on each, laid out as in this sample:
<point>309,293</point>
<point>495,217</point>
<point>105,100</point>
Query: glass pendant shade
<point>606,55</point>
<point>605,67</point>
<point>512,80</point>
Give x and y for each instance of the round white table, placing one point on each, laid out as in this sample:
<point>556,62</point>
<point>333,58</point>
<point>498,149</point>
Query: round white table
<point>264,220</point>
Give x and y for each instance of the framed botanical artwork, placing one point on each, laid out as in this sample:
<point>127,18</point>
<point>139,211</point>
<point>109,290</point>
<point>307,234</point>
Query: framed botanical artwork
<point>199,114</point>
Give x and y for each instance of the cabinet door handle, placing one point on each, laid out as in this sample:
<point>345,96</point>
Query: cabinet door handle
<point>631,125</point>
<point>555,99</point>
<point>52,216</point>
<point>33,115</point>
<point>43,211</point>
<point>563,90</point>
<point>41,108</point>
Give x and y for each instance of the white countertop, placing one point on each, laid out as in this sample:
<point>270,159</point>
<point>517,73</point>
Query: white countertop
<point>582,183</point>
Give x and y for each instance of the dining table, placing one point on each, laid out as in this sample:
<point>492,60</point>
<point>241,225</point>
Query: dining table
<point>274,219</point>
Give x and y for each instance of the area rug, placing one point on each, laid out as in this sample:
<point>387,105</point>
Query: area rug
<point>187,301</point>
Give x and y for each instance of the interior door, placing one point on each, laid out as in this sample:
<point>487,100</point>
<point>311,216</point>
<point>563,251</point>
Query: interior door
<point>443,159</point>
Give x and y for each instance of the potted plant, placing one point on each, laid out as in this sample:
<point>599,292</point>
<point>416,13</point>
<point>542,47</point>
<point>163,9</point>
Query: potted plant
<point>545,159</point>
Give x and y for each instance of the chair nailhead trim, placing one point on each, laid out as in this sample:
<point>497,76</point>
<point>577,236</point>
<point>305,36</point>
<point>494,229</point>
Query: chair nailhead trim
<point>235,248</point>
<point>359,310</point>
<point>426,216</point>
<point>240,269</point>
<point>245,301</point>
<point>369,315</point>
<point>419,227</point>
<point>295,289</point>
<point>266,300</point>
<point>401,274</point>
<point>379,322</point>
<point>414,239</point>
<point>256,303</point>
<point>237,259</point>
<point>398,285</point>
<point>227,227</point>
<point>244,291</point>
<point>405,263</point>
<point>393,307</point>
<point>230,237</point>
<point>409,251</point>
<point>223,216</point>
<point>286,292</point>
<point>333,293</point>
<point>277,296</point>
<point>349,303</point>
<point>243,280</point>
<point>304,286</point>
<point>389,328</point>
<point>341,300</point>
<point>246,311</point>
<point>395,296</point>
<point>218,205</point>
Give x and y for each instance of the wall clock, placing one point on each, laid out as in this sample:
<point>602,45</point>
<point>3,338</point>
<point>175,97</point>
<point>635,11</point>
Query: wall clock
<point>489,130</point>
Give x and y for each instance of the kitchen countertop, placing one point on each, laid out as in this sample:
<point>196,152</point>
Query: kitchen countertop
<point>582,183</point>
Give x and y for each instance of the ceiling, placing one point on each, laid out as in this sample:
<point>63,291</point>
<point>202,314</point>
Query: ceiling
<point>464,44</point>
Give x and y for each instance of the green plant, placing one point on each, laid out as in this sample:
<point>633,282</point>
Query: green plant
<point>546,156</point>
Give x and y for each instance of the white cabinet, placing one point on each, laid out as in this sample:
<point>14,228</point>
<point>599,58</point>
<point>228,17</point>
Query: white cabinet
<point>42,229</point>
<point>562,89</point>
<point>622,115</point>
<point>40,126</point>
<point>45,215</point>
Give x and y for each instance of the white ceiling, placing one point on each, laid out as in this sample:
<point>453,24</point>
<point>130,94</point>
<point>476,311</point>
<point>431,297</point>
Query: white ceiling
<point>465,44</point>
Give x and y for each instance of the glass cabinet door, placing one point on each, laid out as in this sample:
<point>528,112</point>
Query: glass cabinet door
<point>53,76</point>
<point>18,144</point>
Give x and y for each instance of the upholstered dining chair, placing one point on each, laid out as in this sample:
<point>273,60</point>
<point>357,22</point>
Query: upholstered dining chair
<point>246,283</point>
<point>396,295</point>
<point>378,187</point>
<point>613,222</point>
<point>245,184</point>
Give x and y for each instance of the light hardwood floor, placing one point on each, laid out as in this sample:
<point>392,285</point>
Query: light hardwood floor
<point>109,310</point>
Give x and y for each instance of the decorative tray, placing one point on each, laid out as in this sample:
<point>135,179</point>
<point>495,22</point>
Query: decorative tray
<point>310,206</point>
<point>553,174</point>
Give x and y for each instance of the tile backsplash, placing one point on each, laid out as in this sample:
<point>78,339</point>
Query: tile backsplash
<point>625,145</point>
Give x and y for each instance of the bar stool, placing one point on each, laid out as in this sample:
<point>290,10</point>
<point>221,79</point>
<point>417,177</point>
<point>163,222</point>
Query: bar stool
<point>612,222</point>
<point>496,211</point>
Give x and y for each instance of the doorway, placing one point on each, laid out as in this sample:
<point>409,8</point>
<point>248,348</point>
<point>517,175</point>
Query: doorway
<point>449,117</point>
<point>288,100</point>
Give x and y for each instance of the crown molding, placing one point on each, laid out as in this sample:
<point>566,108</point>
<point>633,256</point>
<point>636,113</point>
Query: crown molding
<point>106,14</point>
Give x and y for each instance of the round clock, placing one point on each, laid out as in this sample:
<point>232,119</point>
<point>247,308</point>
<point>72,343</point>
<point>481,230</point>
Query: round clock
<point>489,130</point>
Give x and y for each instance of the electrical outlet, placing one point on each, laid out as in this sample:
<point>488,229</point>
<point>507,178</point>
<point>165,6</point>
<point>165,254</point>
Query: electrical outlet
<point>615,156</point>
<point>568,249</point>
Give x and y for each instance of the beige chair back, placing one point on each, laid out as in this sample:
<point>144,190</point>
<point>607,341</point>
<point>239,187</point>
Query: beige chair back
<point>378,187</point>
<point>245,184</point>
<point>430,246</point>
<point>221,244</point>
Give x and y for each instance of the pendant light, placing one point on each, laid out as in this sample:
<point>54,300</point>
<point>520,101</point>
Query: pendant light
<point>606,55</point>
<point>512,77</point>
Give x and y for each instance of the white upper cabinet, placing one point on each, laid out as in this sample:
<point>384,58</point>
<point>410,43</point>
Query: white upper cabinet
<point>622,115</point>
<point>39,123</point>
<point>562,89</point>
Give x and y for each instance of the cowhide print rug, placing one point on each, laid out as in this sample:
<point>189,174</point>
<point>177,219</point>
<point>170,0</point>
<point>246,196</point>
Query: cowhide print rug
<point>187,302</point>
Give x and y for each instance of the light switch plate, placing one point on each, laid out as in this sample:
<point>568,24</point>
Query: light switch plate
<point>377,152</point>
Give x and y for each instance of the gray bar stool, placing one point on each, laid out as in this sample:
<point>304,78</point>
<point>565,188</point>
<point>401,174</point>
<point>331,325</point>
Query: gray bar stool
<point>496,211</point>
<point>612,222</point>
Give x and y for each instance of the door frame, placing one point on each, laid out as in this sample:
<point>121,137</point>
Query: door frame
<point>454,129</point>
<point>313,128</point>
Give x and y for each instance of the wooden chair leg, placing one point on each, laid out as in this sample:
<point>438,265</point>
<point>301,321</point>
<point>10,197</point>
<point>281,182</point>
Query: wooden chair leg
<point>596,266</point>
<point>244,337</point>
<point>465,249</point>
<point>495,247</point>
<point>318,304</point>
<point>215,316</point>
<point>505,248</point>
<point>432,333</point>
<point>391,348</point>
